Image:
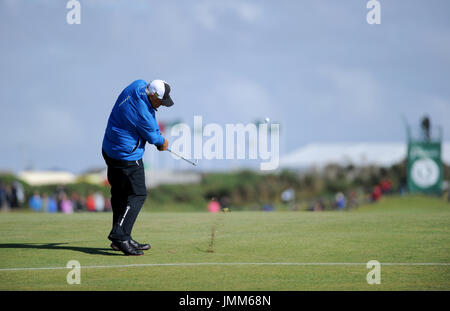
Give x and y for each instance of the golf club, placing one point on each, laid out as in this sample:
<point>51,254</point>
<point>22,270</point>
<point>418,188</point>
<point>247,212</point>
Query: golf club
<point>193,163</point>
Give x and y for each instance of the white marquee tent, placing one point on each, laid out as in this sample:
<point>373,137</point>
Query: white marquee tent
<point>319,155</point>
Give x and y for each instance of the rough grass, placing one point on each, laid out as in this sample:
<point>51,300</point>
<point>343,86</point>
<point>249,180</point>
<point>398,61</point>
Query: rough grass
<point>397,230</point>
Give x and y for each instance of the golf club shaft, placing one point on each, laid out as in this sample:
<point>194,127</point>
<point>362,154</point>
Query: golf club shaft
<point>182,157</point>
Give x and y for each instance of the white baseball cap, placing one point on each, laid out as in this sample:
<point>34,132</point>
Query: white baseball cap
<point>162,91</point>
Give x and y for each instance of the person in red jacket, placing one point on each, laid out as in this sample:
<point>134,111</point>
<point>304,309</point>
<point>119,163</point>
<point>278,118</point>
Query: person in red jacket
<point>376,193</point>
<point>90,203</point>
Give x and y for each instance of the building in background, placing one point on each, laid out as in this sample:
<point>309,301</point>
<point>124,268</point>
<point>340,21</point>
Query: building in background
<point>39,178</point>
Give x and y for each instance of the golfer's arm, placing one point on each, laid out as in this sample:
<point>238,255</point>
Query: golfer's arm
<point>151,137</point>
<point>150,132</point>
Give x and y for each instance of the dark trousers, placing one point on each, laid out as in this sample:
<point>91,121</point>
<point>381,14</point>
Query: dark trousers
<point>128,193</point>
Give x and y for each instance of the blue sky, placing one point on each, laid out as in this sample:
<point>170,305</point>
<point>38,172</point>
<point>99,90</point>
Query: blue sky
<point>314,66</point>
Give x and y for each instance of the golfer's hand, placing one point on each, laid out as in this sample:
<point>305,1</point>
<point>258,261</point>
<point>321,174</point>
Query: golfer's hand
<point>164,146</point>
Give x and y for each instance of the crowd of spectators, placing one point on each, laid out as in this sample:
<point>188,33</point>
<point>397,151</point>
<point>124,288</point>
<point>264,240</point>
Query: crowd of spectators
<point>352,198</point>
<point>12,196</point>
<point>341,201</point>
<point>383,188</point>
<point>61,201</point>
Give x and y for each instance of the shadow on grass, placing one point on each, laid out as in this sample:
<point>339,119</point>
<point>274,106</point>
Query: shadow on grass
<point>62,246</point>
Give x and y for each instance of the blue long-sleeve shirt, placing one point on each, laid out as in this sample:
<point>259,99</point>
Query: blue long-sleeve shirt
<point>131,124</point>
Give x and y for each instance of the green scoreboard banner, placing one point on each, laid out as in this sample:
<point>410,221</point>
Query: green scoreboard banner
<point>424,167</point>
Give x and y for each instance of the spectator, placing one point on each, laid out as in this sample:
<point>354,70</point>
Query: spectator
<point>77,202</point>
<point>340,201</point>
<point>44,202</point>
<point>3,202</point>
<point>352,200</point>
<point>213,206</point>
<point>225,203</point>
<point>60,194</point>
<point>20,193</point>
<point>35,202</point>
<point>376,193</point>
<point>52,206</point>
<point>90,202</point>
<point>99,202</point>
<point>288,195</point>
<point>386,186</point>
<point>426,125</point>
<point>66,205</point>
<point>11,195</point>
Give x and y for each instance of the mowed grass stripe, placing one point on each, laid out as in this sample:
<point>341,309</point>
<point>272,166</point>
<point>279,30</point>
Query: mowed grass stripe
<point>235,264</point>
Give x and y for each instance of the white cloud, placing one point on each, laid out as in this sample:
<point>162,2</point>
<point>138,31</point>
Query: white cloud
<point>209,13</point>
<point>248,12</point>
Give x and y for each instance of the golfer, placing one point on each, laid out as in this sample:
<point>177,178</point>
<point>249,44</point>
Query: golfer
<point>131,124</point>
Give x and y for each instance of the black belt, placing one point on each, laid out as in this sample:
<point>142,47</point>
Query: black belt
<point>117,161</point>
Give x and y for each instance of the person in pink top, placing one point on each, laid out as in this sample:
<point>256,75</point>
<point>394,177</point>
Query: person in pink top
<point>213,206</point>
<point>66,205</point>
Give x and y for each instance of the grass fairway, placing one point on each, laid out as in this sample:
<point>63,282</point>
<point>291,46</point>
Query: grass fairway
<point>396,230</point>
